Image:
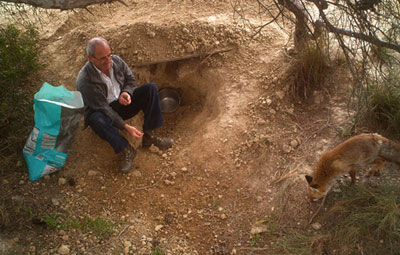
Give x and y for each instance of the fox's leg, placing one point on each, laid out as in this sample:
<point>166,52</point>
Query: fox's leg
<point>378,165</point>
<point>352,173</point>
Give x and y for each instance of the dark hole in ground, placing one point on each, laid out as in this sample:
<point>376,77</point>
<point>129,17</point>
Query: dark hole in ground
<point>197,86</point>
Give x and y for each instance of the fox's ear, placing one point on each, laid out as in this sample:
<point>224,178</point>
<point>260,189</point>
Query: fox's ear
<point>309,179</point>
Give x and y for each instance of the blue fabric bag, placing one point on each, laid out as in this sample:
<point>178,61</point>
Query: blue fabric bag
<point>57,115</point>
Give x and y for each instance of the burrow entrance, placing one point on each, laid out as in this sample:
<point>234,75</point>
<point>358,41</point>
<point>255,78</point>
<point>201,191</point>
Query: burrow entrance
<point>197,85</point>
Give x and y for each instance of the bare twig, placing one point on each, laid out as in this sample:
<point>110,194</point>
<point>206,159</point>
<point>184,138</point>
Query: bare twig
<point>122,2</point>
<point>196,55</point>
<point>87,9</point>
<point>253,249</point>
<point>118,191</point>
<point>319,209</point>
<point>286,176</point>
<point>112,240</point>
<point>122,231</point>
<point>151,186</point>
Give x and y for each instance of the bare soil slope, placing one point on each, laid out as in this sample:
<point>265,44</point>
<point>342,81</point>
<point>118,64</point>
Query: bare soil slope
<point>242,144</point>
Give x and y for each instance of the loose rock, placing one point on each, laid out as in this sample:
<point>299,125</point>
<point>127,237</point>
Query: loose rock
<point>64,249</point>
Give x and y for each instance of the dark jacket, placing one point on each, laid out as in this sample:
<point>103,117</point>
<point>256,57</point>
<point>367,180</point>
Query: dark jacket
<point>94,90</point>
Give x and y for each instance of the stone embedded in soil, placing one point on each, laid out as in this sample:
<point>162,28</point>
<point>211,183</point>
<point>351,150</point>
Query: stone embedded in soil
<point>280,94</point>
<point>294,144</point>
<point>168,182</point>
<point>154,149</point>
<point>55,201</point>
<point>258,229</point>
<point>127,244</point>
<point>92,173</point>
<point>286,148</point>
<point>137,173</point>
<point>63,250</point>
<point>316,226</point>
<point>32,249</point>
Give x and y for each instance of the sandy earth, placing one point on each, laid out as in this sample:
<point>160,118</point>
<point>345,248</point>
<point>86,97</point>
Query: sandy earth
<point>242,144</point>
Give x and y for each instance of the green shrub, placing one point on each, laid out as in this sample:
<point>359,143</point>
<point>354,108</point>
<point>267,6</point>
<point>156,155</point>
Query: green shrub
<point>383,104</point>
<point>19,63</point>
<point>19,56</point>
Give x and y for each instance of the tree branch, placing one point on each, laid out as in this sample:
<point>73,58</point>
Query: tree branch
<point>364,37</point>
<point>62,4</point>
<point>358,35</point>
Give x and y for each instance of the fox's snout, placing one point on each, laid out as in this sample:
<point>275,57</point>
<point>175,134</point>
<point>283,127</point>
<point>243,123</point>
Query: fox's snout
<point>315,194</point>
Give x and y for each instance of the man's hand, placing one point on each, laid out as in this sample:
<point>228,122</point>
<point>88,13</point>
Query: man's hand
<point>124,98</point>
<point>133,131</point>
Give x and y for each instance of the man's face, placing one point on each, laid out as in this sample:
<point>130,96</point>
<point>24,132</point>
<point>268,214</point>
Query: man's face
<point>102,57</point>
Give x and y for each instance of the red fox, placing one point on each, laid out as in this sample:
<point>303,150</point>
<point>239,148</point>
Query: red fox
<point>356,151</point>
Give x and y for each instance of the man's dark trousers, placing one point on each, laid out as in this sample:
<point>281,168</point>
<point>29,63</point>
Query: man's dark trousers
<point>144,98</point>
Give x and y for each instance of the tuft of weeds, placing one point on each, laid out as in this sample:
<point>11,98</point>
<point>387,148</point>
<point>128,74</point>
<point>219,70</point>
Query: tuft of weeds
<point>255,239</point>
<point>102,228</point>
<point>383,106</point>
<point>5,219</point>
<point>309,71</point>
<point>362,220</point>
<point>10,206</point>
<point>367,220</point>
<point>296,243</point>
<point>291,241</point>
<point>347,129</point>
<point>99,226</point>
<point>157,251</point>
<point>378,100</point>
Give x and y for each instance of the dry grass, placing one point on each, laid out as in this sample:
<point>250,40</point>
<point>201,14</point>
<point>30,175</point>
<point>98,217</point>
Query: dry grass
<point>308,72</point>
<point>360,220</point>
<point>382,106</point>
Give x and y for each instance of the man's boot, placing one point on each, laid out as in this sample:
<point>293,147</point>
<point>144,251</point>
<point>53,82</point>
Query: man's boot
<point>128,154</point>
<point>162,143</point>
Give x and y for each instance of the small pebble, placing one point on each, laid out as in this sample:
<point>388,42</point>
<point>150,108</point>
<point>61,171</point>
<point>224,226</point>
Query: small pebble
<point>62,181</point>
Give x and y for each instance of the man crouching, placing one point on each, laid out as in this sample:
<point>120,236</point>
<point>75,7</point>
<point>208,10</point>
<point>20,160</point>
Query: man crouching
<point>111,96</point>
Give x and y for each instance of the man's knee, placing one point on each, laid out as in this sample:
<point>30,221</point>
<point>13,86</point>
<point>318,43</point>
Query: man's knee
<point>151,87</point>
<point>99,119</point>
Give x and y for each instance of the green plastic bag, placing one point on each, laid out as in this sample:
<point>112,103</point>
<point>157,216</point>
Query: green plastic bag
<point>57,115</point>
